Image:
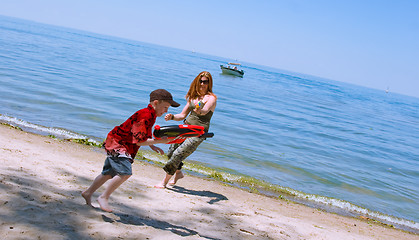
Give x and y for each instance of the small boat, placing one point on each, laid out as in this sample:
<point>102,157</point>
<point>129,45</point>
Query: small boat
<point>232,69</point>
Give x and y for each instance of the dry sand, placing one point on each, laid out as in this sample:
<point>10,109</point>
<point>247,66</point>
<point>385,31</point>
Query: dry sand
<point>41,180</point>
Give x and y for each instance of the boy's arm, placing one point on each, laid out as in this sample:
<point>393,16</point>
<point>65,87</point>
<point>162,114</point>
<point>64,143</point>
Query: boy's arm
<point>157,149</point>
<point>152,141</point>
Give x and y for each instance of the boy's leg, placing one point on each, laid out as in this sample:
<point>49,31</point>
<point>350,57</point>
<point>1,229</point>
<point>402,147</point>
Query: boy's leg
<point>114,183</point>
<point>97,183</point>
<point>107,173</point>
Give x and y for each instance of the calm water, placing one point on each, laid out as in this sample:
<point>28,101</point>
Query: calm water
<point>344,146</point>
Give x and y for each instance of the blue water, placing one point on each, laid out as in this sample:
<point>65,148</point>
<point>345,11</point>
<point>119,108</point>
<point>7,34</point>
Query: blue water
<point>342,145</point>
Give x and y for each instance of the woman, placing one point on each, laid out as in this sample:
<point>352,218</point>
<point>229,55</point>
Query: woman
<point>200,106</point>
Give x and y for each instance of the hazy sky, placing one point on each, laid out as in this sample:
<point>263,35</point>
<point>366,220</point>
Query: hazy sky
<point>373,43</point>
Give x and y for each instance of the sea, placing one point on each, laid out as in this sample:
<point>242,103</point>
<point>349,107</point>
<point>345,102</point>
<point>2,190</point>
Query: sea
<point>330,145</point>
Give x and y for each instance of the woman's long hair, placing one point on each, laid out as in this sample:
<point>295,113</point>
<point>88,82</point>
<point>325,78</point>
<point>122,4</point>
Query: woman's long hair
<point>193,92</point>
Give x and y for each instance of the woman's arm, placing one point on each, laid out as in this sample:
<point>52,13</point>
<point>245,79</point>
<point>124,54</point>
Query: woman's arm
<point>179,116</point>
<point>209,106</point>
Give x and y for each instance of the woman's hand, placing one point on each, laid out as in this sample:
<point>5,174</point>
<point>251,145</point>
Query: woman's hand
<point>207,104</point>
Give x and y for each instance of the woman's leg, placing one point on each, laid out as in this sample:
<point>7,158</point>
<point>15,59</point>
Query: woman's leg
<point>178,175</point>
<point>181,153</point>
<point>163,183</point>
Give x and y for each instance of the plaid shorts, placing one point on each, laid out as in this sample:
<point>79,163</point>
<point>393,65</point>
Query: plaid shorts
<point>117,166</point>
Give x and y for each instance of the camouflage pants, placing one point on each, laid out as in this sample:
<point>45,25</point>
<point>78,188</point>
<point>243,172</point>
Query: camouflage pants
<point>179,152</point>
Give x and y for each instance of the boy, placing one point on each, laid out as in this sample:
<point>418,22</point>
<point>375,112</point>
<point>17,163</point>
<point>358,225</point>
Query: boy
<point>123,142</point>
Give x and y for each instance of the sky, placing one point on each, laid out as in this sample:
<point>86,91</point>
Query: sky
<point>372,43</point>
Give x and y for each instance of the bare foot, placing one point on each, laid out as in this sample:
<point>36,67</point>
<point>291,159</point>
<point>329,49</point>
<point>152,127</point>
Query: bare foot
<point>163,183</point>
<point>178,175</point>
<point>160,185</point>
<point>87,197</point>
<point>103,203</point>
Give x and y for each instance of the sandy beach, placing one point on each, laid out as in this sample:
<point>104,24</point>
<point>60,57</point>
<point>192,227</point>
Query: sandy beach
<point>42,178</point>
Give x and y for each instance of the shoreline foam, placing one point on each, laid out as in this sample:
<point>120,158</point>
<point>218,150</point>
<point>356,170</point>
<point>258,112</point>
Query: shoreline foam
<point>42,178</point>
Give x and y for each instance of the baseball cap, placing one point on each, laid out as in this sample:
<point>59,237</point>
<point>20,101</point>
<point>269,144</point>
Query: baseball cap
<point>162,94</point>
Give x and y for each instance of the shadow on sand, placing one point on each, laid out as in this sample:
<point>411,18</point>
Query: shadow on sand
<point>214,197</point>
<point>42,206</point>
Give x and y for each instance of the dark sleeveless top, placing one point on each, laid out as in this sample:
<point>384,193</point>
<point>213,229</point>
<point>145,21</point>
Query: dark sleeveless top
<point>200,120</point>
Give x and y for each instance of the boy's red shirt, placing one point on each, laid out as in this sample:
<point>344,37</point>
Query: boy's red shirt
<point>123,139</point>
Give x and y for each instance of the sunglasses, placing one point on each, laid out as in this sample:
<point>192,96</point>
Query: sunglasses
<point>204,81</point>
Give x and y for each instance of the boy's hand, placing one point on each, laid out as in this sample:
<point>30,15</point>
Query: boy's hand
<point>157,149</point>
